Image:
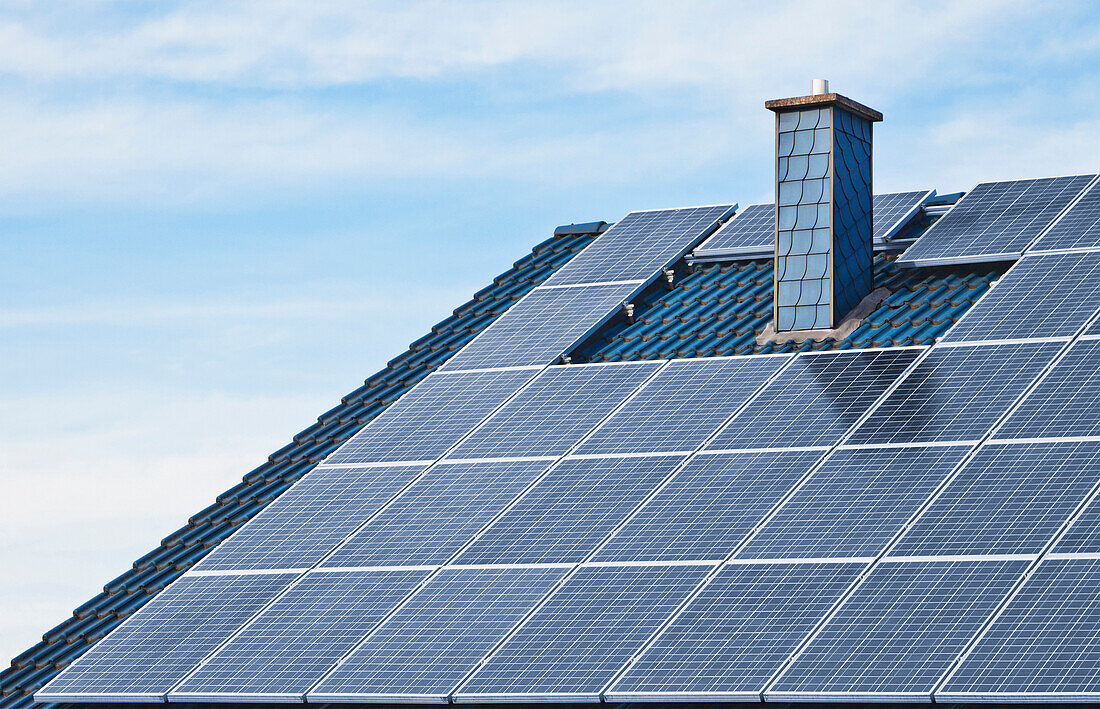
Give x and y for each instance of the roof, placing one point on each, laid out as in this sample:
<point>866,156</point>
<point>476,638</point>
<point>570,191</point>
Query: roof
<point>694,311</point>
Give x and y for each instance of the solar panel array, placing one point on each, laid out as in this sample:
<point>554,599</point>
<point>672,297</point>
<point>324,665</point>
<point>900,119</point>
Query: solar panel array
<point>890,524</point>
<point>995,221</point>
<point>1078,228</point>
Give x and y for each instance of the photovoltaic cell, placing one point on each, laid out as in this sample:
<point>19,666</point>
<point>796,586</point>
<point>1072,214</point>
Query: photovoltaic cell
<point>438,514</point>
<point>753,229</point>
<point>1044,643</point>
<point>995,220</point>
<point>737,633</point>
<point>288,647</point>
<point>899,632</point>
<point>1065,403</point>
<point>683,404</point>
<point>566,515</point>
<point>148,654</point>
<point>956,393</point>
<point>708,507</point>
<point>855,503</point>
<point>1079,228</point>
<point>540,328</point>
<point>1041,296</point>
<point>428,646</point>
<point>310,519</point>
<point>640,245</point>
<point>894,209</point>
<point>556,411</point>
<point>575,643</point>
<point>815,400</point>
<point>1009,499</point>
<point>431,417</point>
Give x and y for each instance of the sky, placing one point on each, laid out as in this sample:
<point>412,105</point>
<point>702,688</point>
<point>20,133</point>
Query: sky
<point>216,218</point>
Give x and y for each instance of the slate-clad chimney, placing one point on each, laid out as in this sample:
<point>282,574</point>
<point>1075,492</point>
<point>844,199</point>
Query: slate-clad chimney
<point>823,199</point>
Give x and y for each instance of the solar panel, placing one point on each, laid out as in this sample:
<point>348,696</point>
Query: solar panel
<point>294,642</point>
<point>570,511</point>
<point>1009,499</point>
<point>894,210</point>
<point>737,633</point>
<point>855,503</point>
<point>438,514</point>
<point>556,411</point>
<point>310,519</point>
<point>148,654</point>
<point>752,230</point>
<point>815,400</point>
<point>1041,296</point>
<point>427,647</point>
<point>1065,403</point>
<point>995,221</point>
<point>899,632</point>
<point>956,393</point>
<point>709,506</point>
<point>683,404</point>
<point>431,417</point>
<point>1079,228</point>
<point>575,643</point>
<point>546,324</point>
<point>1044,646</point>
<point>641,244</point>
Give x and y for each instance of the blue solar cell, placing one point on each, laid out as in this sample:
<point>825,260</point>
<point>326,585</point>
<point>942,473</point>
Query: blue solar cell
<point>899,632</point>
<point>1079,228</point>
<point>546,324</point>
<point>1044,643</point>
<point>1009,499</point>
<point>428,646</point>
<point>431,417</point>
<point>641,244</point>
<point>709,506</point>
<point>284,650</point>
<point>311,519</point>
<point>753,229</point>
<point>1041,296</point>
<point>855,503</point>
<point>438,514</point>
<point>956,393</point>
<point>684,404</point>
<point>575,643</point>
<point>995,220</point>
<point>737,633</point>
<point>557,410</point>
<point>1065,403</point>
<point>815,400</point>
<point>148,654</point>
<point>566,515</point>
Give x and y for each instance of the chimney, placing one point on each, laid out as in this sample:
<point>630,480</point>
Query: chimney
<point>823,198</point>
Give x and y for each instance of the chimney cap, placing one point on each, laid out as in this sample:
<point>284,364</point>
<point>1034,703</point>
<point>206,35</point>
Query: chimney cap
<point>782,105</point>
<point>819,87</point>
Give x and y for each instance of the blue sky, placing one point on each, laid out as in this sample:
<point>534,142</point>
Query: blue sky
<point>218,217</point>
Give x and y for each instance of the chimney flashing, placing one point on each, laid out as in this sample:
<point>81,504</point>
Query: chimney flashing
<point>782,105</point>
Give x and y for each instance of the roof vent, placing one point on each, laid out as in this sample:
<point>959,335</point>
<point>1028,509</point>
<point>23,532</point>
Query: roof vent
<point>819,87</point>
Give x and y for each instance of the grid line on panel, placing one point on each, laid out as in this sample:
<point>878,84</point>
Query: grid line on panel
<point>431,417</point>
<point>152,650</point>
<point>996,220</point>
<point>440,635</point>
<point>1007,499</point>
<point>438,514</point>
<point>641,244</point>
<point>854,504</point>
<point>299,637</point>
<point>1078,227</point>
<point>683,405</point>
<point>1040,296</point>
<point>584,633</point>
<point>815,400</point>
<point>737,631</point>
<point>556,410</point>
<point>1066,401</point>
<point>541,327</point>
<point>956,393</point>
<point>899,631</point>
